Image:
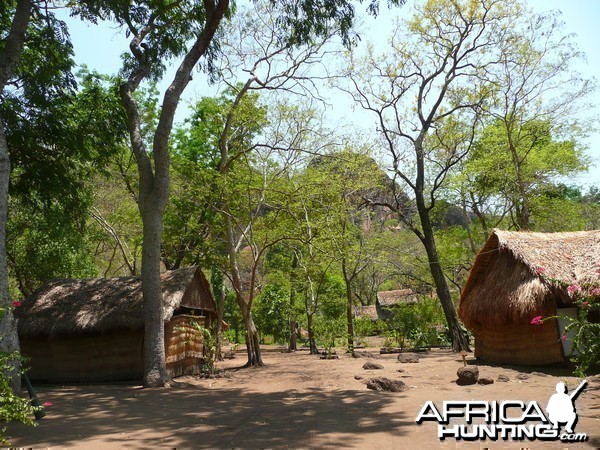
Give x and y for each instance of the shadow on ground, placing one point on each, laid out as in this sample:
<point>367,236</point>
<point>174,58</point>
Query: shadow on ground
<point>193,416</point>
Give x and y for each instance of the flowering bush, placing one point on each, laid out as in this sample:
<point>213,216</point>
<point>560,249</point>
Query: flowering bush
<point>12,407</point>
<point>585,350</point>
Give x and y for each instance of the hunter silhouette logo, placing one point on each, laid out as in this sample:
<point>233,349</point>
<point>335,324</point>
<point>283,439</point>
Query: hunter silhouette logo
<point>561,408</point>
<point>508,419</point>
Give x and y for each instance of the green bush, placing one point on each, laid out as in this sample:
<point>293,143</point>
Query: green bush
<point>417,325</point>
<point>12,407</point>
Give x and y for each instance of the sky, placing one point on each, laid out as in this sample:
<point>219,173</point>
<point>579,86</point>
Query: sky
<point>99,48</point>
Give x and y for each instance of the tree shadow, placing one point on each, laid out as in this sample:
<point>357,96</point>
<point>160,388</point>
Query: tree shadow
<point>188,415</point>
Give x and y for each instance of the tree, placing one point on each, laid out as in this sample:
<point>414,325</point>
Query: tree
<point>344,178</point>
<point>58,147</point>
<point>427,97</point>
<point>536,109</point>
<point>515,173</point>
<point>10,53</point>
<point>160,32</point>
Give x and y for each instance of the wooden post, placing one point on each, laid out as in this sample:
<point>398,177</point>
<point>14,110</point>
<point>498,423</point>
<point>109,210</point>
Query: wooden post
<point>464,357</point>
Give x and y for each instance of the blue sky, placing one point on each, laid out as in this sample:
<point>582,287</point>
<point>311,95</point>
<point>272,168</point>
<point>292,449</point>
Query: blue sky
<point>99,48</point>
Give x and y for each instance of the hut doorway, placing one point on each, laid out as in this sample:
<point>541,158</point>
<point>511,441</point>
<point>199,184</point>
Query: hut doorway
<point>563,321</point>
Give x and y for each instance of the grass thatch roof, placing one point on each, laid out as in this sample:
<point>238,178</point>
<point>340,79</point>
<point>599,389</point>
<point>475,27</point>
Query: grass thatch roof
<point>505,281</point>
<point>369,312</point>
<point>103,304</point>
<point>399,296</point>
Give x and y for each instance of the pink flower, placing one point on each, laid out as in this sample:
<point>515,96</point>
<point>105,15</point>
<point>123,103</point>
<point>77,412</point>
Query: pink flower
<point>573,288</point>
<point>16,304</point>
<point>585,304</point>
<point>564,337</point>
<point>539,271</point>
<point>595,292</point>
<point>537,320</point>
<point>46,404</point>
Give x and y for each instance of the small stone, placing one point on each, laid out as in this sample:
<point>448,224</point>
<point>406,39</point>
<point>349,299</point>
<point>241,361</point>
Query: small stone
<point>503,378</point>
<point>485,380</point>
<point>385,384</point>
<point>522,376</point>
<point>372,366</point>
<point>401,370</point>
<point>467,375</point>
<point>408,358</point>
<point>358,377</point>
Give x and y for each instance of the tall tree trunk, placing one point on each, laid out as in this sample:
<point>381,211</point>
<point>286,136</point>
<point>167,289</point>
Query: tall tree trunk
<point>293,344</point>
<point>9,60</point>
<point>311,334</point>
<point>459,340</point>
<point>154,174</point>
<point>522,202</point>
<point>252,341</point>
<point>252,338</point>
<point>9,339</point>
<point>349,309</point>
<point>220,292</point>
<point>155,369</point>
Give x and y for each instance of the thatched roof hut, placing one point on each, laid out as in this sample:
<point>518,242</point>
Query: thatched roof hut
<point>368,312</point>
<point>388,300</point>
<point>65,321</point>
<point>396,297</point>
<point>511,282</point>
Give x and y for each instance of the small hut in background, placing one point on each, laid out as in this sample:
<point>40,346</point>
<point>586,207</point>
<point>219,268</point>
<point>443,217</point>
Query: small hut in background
<point>93,329</point>
<point>388,300</point>
<point>366,312</point>
<point>510,283</point>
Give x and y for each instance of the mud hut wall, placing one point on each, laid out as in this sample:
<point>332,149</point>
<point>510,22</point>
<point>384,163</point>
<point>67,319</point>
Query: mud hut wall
<point>111,356</point>
<point>519,342</point>
<point>184,345</point>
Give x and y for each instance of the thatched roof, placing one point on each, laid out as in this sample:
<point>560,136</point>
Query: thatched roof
<point>103,304</point>
<point>399,296</point>
<point>370,312</point>
<point>510,278</point>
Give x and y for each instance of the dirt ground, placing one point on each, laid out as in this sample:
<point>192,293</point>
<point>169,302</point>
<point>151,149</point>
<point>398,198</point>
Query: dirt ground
<point>295,401</point>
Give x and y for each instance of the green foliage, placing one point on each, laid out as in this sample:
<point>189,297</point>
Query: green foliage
<point>210,345</point>
<point>327,330</point>
<point>363,327</point>
<point>418,324</point>
<point>57,146</point>
<point>272,311</point>
<point>584,330</point>
<point>233,316</point>
<point>12,407</point>
<point>193,222</point>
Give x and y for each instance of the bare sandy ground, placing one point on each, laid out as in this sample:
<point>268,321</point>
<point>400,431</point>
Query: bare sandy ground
<point>295,401</point>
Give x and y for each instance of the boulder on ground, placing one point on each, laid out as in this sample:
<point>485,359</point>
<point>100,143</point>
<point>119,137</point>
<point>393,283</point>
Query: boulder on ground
<point>467,375</point>
<point>372,366</point>
<point>365,355</point>
<point>485,380</point>
<point>408,358</point>
<point>503,378</point>
<point>385,384</point>
<point>522,376</point>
